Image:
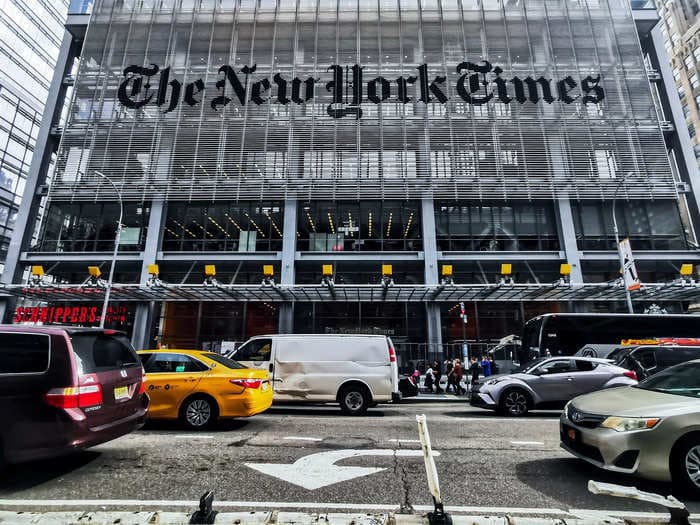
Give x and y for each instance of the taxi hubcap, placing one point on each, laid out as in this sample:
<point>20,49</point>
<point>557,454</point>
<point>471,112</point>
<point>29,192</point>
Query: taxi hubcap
<point>692,465</point>
<point>516,403</point>
<point>354,400</point>
<point>198,412</point>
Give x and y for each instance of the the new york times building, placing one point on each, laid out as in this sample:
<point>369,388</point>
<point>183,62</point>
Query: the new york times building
<point>420,134</point>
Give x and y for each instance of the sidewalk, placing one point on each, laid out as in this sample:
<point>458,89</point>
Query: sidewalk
<point>297,518</point>
<point>427,398</point>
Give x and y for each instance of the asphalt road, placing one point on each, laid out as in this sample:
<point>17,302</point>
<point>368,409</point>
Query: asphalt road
<point>484,461</point>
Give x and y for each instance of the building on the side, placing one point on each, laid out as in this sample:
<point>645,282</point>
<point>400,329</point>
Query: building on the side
<point>359,167</point>
<point>30,37</point>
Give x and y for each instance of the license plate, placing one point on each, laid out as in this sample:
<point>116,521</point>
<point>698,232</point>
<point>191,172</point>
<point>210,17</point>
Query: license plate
<point>572,434</point>
<point>121,392</point>
<point>264,387</point>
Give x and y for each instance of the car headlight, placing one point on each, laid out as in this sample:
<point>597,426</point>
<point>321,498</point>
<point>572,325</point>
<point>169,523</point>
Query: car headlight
<point>494,381</point>
<point>628,424</point>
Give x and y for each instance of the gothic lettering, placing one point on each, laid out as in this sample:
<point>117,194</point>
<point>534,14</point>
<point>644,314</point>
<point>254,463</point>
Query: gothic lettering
<point>592,84</point>
<point>134,79</point>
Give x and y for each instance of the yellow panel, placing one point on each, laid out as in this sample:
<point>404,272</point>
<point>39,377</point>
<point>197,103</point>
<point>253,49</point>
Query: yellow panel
<point>38,271</point>
<point>327,270</point>
<point>387,269</point>
<point>506,269</point>
<point>565,269</point>
<point>447,270</point>
<point>268,270</point>
<point>153,269</point>
<point>686,269</point>
<point>94,271</point>
<point>210,270</point>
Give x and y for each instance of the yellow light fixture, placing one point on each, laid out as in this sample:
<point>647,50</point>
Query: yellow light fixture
<point>387,269</point>
<point>506,269</point>
<point>686,270</point>
<point>37,271</point>
<point>565,269</point>
<point>268,270</point>
<point>153,270</point>
<point>210,270</point>
<point>328,270</point>
<point>447,270</point>
<point>94,271</point>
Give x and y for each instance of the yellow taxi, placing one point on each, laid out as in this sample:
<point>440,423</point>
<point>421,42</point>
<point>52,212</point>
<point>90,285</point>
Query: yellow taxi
<point>198,387</point>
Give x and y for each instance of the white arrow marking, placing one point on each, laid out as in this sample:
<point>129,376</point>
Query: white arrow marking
<point>319,470</point>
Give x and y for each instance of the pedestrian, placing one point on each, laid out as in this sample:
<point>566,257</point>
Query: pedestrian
<point>474,371</point>
<point>457,374</point>
<point>449,366</point>
<point>429,379</point>
<point>486,366</point>
<point>437,371</point>
<point>494,366</point>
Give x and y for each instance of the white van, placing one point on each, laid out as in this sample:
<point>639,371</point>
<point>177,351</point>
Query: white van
<point>356,371</point>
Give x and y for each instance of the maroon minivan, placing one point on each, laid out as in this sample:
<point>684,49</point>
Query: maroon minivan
<point>63,389</point>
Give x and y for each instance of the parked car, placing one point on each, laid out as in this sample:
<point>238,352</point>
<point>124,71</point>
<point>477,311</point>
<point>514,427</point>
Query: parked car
<point>64,389</point>
<point>548,383</point>
<point>599,350</point>
<point>651,430</point>
<point>197,387</point>
<point>647,360</point>
<point>355,371</point>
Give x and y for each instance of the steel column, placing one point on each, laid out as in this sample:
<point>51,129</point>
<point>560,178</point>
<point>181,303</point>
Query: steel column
<point>568,239</point>
<point>289,242</point>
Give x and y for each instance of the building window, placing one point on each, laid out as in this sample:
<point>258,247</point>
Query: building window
<point>359,226</point>
<point>91,227</point>
<point>689,62</point>
<point>686,111</point>
<point>498,227</point>
<point>226,227</point>
<point>691,130</point>
<point>650,225</point>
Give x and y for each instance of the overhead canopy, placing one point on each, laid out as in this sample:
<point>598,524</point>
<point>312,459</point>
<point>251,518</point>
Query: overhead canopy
<point>355,293</point>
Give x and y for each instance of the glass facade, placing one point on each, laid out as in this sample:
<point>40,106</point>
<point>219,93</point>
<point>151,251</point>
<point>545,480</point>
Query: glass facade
<point>331,226</point>
<point>30,37</point>
<point>497,227</point>
<point>357,99</point>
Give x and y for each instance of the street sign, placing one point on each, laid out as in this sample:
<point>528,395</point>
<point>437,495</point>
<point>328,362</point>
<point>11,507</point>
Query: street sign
<point>629,269</point>
<point>319,470</point>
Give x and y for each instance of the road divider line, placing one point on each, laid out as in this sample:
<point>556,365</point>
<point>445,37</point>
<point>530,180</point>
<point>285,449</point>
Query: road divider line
<point>527,443</point>
<point>404,440</point>
<point>300,438</point>
<point>193,436</point>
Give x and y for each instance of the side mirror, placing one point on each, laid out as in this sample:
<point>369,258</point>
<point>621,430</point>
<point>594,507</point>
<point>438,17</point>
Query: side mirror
<point>272,367</point>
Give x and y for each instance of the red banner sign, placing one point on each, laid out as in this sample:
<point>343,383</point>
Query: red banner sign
<point>84,315</point>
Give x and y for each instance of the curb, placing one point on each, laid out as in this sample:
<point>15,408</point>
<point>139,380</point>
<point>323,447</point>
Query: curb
<point>295,518</point>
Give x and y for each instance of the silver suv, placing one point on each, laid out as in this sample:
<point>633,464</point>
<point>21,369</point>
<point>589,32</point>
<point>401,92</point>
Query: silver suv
<point>548,382</point>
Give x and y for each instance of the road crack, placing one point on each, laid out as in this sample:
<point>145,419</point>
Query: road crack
<point>401,472</point>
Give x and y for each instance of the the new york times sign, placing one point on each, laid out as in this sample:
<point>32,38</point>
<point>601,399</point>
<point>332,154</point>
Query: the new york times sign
<point>478,84</point>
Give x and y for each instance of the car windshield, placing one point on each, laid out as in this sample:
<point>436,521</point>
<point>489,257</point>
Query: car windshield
<point>681,380</point>
<point>225,361</point>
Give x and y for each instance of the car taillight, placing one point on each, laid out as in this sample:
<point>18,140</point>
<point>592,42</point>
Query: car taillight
<point>392,354</point>
<point>75,396</point>
<point>631,374</point>
<point>247,383</point>
<point>142,387</point>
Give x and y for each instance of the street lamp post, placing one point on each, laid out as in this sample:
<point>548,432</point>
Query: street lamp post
<point>117,237</point>
<point>628,295</point>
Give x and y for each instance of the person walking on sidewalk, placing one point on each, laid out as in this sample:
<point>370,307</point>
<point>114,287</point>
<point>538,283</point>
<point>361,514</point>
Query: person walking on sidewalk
<point>429,379</point>
<point>449,367</point>
<point>438,374</point>
<point>474,371</point>
<point>457,374</point>
<point>486,366</point>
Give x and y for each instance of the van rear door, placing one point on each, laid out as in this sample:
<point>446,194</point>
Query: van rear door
<point>110,374</point>
<point>394,367</point>
<point>255,353</point>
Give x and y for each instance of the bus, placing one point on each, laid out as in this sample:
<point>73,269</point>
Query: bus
<point>565,334</point>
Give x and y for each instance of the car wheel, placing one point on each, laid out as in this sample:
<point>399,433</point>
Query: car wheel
<point>199,412</point>
<point>686,468</point>
<point>515,402</point>
<point>354,400</point>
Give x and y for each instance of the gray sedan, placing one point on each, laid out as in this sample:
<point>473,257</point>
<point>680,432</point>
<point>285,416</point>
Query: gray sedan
<point>652,430</point>
<point>548,383</point>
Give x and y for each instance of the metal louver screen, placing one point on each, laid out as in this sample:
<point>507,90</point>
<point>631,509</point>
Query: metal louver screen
<point>434,118</point>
